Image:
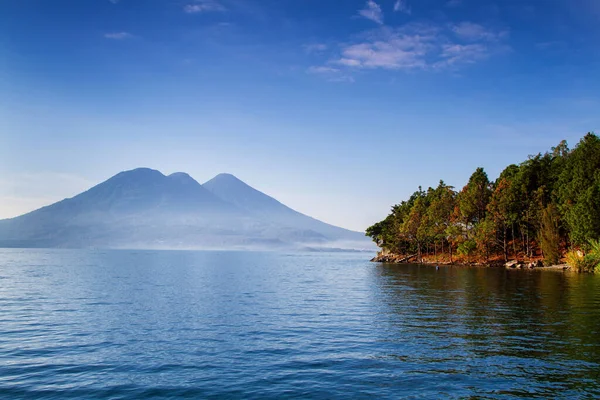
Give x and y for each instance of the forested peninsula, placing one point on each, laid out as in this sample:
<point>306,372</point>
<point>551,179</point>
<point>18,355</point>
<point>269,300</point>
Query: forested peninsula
<point>546,210</point>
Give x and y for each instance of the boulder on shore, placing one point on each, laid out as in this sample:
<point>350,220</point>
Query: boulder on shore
<point>535,264</point>
<point>521,264</point>
<point>391,258</point>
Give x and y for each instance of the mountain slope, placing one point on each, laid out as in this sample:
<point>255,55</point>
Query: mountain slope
<point>143,208</point>
<point>131,206</point>
<point>235,191</point>
<point>134,192</point>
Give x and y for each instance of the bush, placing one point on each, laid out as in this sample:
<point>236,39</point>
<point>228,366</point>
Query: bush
<point>593,256</point>
<point>589,262</point>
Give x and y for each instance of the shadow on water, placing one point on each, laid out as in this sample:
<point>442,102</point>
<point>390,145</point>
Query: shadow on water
<point>523,333</point>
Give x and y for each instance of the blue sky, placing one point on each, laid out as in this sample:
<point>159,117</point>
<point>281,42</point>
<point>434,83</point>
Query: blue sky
<point>337,108</point>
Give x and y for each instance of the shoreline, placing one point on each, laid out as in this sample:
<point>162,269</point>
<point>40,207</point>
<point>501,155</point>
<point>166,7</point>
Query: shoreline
<point>390,258</point>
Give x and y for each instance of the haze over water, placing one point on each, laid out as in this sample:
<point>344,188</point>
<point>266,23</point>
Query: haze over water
<point>161,324</point>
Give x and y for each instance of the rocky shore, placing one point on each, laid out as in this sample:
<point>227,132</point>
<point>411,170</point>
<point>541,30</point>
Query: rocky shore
<point>539,264</point>
<point>391,258</point>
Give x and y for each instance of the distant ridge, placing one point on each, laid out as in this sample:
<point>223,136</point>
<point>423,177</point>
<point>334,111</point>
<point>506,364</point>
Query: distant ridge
<point>143,208</point>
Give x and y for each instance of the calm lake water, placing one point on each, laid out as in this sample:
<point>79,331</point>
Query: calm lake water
<point>161,324</point>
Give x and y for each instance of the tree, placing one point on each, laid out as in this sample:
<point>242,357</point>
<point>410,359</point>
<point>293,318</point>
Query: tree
<point>550,201</point>
<point>578,191</point>
<point>454,236</point>
<point>549,235</point>
<point>502,210</point>
<point>473,199</point>
<point>533,185</point>
<point>412,227</point>
<point>467,248</point>
<point>439,213</point>
<point>485,237</point>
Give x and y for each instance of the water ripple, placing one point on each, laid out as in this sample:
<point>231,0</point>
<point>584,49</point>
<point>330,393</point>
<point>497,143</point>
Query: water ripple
<point>143,324</point>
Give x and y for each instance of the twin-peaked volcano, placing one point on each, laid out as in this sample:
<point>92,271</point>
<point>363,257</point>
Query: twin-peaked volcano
<point>235,191</point>
<point>143,208</point>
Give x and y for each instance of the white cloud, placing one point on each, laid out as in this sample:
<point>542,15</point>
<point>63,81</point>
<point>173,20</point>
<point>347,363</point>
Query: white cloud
<point>399,52</point>
<point>373,12</point>
<point>331,74</point>
<point>118,35</point>
<point>390,49</point>
<point>475,32</point>
<point>349,62</point>
<point>201,6</point>
<point>402,6</point>
<point>342,79</point>
<point>322,70</point>
<point>453,54</point>
<point>419,46</point>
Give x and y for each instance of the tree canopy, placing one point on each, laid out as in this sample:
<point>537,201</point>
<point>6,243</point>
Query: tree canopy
<point>541,207</point>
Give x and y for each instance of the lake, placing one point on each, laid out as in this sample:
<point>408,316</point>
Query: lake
<point>183,324</point>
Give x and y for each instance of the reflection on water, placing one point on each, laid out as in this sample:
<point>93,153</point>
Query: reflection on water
<point>525,333</point>
<point>159,324</point>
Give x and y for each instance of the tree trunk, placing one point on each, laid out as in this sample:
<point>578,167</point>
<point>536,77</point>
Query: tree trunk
<point>523,242</point>
<point>513,240</point>
<point>442,247</point>
<point>504,248</point>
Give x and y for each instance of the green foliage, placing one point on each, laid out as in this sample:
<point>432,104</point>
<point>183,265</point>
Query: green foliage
<point>533,208</point>
<point>384,233</point>
<point>593,256</point>
<point>595,247</point>
<point>485,237</point>
<point>440,210</point>
<point>549,235</point>
<point>574,259</point>
<point>503,208</point>
<point>467,248</point>
<point>578,190</point>
<point>583,263</point>
<point>473,199</point>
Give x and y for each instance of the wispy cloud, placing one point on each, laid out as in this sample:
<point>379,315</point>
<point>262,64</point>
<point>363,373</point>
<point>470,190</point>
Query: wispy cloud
<point>342,79</point>
<point>372,11</point>
<point>418,46</point>
<point>402,6</point>
<point>118,35</point>
<point>349,62</point>
<point>201,6</point>
<point>453,54</point>
<point>474,32</point>
<point>332,74</point>
<point>398,52</point>
<point>322,70</point>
